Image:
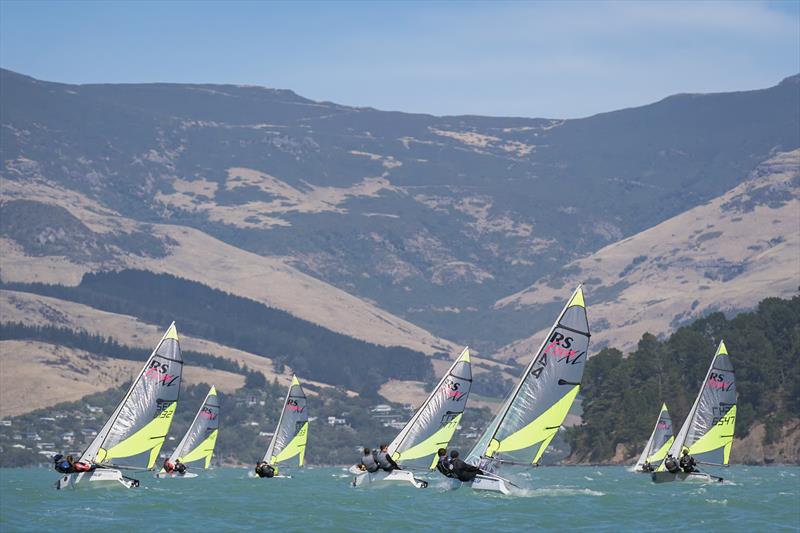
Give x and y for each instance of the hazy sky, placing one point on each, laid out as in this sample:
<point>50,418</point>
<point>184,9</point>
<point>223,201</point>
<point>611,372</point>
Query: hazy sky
<point>535,59</point>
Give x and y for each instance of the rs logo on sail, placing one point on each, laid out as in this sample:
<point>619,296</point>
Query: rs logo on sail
<point>208,413</point>
<point>158,372</point>
<point>291,405</point>
<point>559,346</point>
<point>717,381</point>
<point>451,390</point>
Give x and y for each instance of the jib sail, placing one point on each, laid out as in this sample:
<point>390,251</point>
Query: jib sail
<point>134,434</point>
<point>291,434</point>
<point>199,441</point>
<point>538,405</point>
<point>434,423</point>
<point>660,440</point>
<point>708,430</point>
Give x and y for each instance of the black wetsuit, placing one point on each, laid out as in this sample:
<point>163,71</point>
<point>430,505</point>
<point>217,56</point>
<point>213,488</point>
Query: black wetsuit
<point>464,471</point>
<point>688,464</point>
<point>443,466</point>
<point>671,465</point>
<point>265,470</point>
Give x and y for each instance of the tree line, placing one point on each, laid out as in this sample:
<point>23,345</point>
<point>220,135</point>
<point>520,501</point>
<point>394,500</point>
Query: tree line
<point>623,394</point>
<point>311,350</point>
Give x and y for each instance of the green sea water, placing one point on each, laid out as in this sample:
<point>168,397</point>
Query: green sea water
<point>752,499</point>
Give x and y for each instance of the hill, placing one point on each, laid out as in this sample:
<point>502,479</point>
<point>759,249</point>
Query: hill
<point>725,255</point>
<point>333,213</point>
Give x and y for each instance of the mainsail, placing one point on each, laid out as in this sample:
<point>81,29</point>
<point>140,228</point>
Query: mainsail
<point>536,408</point>
<point>660,440</point>
<point>434,423</point>
<point>708,430</point>
<point>139,424</point>
<point>291,434</point>
<point>199,441</point>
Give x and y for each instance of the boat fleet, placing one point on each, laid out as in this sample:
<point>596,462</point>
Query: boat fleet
<point>514,442</point>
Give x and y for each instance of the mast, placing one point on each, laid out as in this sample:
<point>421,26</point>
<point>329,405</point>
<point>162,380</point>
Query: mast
<point>536,407</point>
<point>433,424</point>
<point>271,446</point>
<point>150,367</point>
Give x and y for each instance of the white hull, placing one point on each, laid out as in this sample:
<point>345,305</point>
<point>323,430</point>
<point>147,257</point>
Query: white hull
<point>491,484</point>
<point>97,479</point>
<point>487,483</point>
<point>164,475</point>
<point>362,478</point>
<point>667,477</point>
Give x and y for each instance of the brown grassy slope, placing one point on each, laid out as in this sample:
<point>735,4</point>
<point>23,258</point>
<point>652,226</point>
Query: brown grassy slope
<point>33,309</point>
<point>34,375</point>
<point>728,254</point>
<point>202,258</point>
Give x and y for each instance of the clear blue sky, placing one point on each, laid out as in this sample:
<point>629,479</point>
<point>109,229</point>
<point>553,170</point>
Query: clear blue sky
<point>535,59</point>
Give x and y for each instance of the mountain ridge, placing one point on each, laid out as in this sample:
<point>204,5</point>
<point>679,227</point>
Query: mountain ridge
<point>431,218</point>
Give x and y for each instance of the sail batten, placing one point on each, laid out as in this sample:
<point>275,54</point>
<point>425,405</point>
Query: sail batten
<point>138,426</point>
<point>434,423</point>
<point>708,431</point>
<point>291,433</point>
<point>200,439</point>
<point>534,411</point>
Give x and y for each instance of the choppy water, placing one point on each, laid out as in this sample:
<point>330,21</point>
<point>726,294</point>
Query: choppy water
<point>319,499</point>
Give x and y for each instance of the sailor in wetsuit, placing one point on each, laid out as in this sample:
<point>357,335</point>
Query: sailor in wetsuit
<point>647,467</point>
<point>443,464</point>
<point>264,469</point>
<point>384,460</point>
<point>68,465</point>
<point>688,463</point>
<point>368,462</point>
<point>461,469</point>
<point>671,464</point>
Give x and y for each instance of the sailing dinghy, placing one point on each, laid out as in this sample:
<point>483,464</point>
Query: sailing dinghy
<point>291,434</point>
<point>660,440</point>
<point>534,411</point>
<point>431,428</point>
<point>707,432</point>
<point>132,437</point>
<point>198,443</point>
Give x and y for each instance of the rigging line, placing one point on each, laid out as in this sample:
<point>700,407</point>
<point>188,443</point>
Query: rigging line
<point>584,333</point>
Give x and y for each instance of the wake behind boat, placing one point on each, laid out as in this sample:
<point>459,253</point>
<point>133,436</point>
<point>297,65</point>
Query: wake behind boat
<point>534,411</point>
<point>707,434</point>
<point>291,434</point>
<point>198,443</point>
<point>138,426</point>
<point>431,428</point>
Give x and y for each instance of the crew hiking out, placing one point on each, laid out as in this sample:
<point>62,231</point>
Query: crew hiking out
<point>384,460</point>
<point>461,469</point>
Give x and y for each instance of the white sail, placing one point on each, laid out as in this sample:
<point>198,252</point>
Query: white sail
<point>708,431</point>
<point>200,439</point>
<point>659,442</point>
<point>291,434</point>
<point>536,408</point>
<point>136,430</point>
<point>434,423</point>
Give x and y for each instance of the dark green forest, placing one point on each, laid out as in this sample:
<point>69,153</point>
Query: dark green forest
<point>623,394</point>
<point>311,350</point>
